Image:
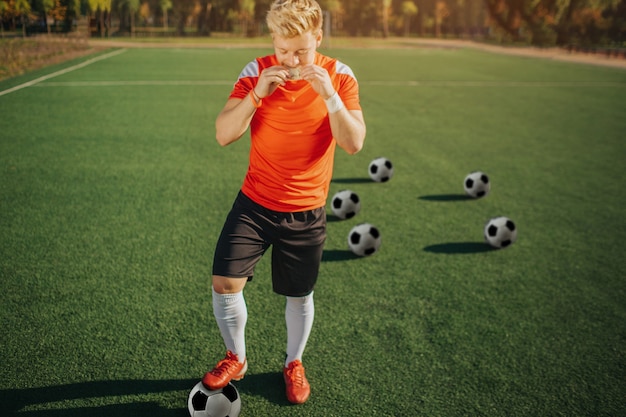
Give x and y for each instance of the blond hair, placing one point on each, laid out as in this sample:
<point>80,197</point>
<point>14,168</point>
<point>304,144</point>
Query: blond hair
<point>291,18</point>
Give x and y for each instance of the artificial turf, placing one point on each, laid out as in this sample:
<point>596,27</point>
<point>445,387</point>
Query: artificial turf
<point>113,191</point>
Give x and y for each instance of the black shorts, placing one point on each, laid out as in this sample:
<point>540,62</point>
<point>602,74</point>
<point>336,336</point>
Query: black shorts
<point>297,241</point>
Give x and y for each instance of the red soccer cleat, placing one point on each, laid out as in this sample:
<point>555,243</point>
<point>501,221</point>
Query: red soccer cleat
<point>226,370</point>
<point>297,387</point>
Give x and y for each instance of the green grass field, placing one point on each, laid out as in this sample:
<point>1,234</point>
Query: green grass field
<point>113,191</point>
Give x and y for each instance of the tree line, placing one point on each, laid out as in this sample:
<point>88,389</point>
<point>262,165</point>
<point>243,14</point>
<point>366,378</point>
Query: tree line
<point>536,22</point>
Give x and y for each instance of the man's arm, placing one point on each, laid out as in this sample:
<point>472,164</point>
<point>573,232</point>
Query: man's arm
<point>233,120</point>
<point>235,117</point>
<point>348,126</point>
<point>348,129</point>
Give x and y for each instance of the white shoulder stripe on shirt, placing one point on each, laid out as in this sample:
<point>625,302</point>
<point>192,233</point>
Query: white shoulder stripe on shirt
<point>344,69</point>
<point>250,70</point>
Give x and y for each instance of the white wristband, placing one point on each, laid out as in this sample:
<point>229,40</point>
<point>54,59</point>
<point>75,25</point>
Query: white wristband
<point>334,103</point>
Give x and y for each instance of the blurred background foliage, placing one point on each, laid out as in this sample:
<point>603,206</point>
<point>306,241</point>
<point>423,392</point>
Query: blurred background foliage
<point>580,23</point>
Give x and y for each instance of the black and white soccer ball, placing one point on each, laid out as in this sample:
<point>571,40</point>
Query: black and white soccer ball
<point>345,204</point>
<point>380,169</point>
<point>364,239</point>
<point>477,184</point>
<point>500,232</point>
<point>224,402</point>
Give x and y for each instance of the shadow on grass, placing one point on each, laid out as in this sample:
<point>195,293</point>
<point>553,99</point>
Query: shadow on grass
<point>455,248</point>
<point>446,197</point>
<point>331,218</point>
<point>354,180</point>
<point>333,255</point>
<point>269,385</point>
<point>122,410</point>
<point>14,400</point>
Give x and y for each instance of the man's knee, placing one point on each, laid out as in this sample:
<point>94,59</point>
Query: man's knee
<point>227,285</point>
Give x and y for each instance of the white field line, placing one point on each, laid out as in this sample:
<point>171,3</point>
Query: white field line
<point>496,83</point>
<point>63,71</point>
<point>130,83</point>
<point>409,83</point>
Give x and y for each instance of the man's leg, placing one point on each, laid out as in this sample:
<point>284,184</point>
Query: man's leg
<point>231,314</point>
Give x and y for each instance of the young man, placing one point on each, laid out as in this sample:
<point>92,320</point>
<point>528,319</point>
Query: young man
<point>299,105</point>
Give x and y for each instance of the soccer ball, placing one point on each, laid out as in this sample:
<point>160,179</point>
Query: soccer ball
<point>364,239</point>
<point>345,204</point>
<point>381,169</point>
<point>477,184</point>
<point>224,402</point>
<point>500,232</point>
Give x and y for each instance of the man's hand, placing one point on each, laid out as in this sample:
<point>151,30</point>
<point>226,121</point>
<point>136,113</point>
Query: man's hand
<point>319,79</point>
<point>269,79</point>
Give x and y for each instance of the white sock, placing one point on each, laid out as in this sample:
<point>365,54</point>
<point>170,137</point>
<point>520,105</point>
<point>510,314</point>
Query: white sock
<point>231,315</point>
<point>299,314</point>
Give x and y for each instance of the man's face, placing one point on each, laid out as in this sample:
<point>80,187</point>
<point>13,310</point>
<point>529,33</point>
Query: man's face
<point>297,51</point>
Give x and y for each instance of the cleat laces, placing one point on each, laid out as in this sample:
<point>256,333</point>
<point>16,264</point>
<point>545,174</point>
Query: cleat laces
<point>296,375</point>
<point>225,366</point>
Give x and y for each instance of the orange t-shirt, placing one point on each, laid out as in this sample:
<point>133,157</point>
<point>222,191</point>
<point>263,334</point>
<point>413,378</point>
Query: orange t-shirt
<point>292,149</point>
